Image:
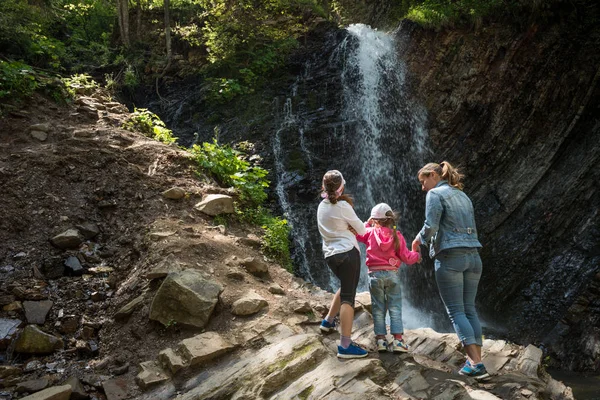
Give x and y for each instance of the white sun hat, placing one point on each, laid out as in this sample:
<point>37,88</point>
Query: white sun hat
<point>379,211</point>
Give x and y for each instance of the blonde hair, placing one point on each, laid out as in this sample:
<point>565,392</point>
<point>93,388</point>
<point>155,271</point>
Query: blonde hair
<point>446,171</point>
<point>332,180</point>
<point>390,222</point>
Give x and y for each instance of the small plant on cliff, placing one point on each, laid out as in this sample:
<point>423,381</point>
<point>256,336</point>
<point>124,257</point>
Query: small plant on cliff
<point>150,124</point>
<point>230,168</point>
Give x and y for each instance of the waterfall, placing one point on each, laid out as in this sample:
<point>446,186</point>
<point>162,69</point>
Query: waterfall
<point>350,110</point>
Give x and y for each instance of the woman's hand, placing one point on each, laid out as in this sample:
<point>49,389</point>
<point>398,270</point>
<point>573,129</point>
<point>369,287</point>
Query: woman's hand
<point>351,229</point>
<point>416,244</point>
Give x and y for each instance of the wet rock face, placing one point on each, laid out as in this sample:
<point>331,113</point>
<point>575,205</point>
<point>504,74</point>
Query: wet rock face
<point>518,110</point>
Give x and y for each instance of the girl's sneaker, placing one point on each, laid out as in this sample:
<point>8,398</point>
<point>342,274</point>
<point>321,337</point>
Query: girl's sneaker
<point>353,351</point>
<point>476,371</point>
<point>398,346</point>
<point>327,327</point>
<point>382,345</point>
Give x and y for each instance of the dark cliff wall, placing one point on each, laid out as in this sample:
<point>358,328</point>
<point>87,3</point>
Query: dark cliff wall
<point>519,110</point>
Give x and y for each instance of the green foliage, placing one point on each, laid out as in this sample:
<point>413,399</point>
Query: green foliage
<point>26,34</point>
<point>150,124</point>
<point>230,168</point>
<point>442,13</point>
<point>79,83</point>
<point>275,242</point>
<point>17,80</point>
<point>246,43</point>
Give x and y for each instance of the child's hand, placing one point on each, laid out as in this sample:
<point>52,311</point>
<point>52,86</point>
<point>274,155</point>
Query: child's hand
<point>416,244</point>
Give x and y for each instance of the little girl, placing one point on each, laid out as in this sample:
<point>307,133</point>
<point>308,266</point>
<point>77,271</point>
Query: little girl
<point>386,251</point>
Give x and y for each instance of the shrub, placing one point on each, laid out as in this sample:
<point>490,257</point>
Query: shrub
<point>17,80</point>
<point>230,168</point>
<point>80,83</point>
<point>150,124</point>
<point>275,242</point>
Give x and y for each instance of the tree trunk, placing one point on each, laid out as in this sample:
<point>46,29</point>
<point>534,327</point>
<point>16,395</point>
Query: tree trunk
<point>168,33</point>
<point>138,22</point>
<point>123,15</point>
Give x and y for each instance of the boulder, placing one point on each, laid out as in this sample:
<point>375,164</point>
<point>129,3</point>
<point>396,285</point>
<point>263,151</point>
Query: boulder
<point>215,204</point>
<point>54,393</point>
<point>33,341</point>
<point>185,297</point>
<point>69,239</point>
<point>250,304</point>
<point>255,266</point>
<point>204,347</point>
<point>36,311</point>
<point>174,193</point>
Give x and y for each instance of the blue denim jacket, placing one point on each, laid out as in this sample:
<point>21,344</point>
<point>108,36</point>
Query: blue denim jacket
<point>449,220</point>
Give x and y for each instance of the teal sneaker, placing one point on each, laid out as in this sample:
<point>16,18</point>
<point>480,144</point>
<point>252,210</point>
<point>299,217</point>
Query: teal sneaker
<point>327,327</point>
<point>476,371</point>
<point>353,351</point>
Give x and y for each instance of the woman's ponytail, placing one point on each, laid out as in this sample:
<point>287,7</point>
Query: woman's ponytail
<point>451,174</point>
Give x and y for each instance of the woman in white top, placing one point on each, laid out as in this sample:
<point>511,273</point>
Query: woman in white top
<point>335,218</point>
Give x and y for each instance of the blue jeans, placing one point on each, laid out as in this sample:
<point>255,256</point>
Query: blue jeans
<point>386,295</point>
<point>457,272</point>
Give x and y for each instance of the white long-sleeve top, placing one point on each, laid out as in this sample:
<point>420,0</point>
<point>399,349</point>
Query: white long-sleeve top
<point>333,221</point>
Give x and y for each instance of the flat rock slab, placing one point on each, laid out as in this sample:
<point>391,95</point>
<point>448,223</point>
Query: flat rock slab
<point>262,373</point>
<point>54,393</point>
<point>203,348</point>
<point>150,375</point>
<point>36,311</point>
<point>115,389</point>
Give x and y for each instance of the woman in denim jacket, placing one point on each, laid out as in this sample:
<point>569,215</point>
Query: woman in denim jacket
<point>449,229</point>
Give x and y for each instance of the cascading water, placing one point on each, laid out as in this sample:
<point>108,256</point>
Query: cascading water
<point>351,112</point>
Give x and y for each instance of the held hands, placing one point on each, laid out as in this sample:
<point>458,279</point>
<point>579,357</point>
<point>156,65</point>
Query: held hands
<point>416,244</point>
<point>351,229</point>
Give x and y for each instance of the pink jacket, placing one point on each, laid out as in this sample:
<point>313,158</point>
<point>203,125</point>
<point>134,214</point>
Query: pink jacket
<point>381,255</point>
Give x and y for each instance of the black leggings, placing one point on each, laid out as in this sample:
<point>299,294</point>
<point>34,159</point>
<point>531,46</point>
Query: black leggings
<point>346,266</point>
